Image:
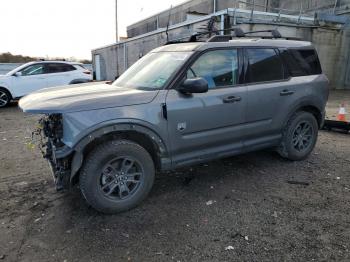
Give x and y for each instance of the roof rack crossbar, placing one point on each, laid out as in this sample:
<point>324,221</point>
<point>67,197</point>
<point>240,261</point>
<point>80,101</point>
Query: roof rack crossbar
<point>237,33</point>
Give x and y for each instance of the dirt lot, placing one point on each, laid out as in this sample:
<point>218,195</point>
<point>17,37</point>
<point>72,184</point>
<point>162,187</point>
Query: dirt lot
<point>191,215</point>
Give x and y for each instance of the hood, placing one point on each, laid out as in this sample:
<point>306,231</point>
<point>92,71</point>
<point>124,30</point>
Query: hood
<point>83,97</point>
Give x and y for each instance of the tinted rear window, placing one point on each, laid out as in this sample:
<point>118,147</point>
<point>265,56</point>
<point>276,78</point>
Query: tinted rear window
<point>301,62</point>
<point>264,65</point>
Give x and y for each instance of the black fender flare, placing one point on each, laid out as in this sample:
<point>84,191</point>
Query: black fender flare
<point>78,155</point>
<point>306,103</point>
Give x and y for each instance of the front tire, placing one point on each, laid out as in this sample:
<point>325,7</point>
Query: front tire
<point>5,97</point>
<point>299,136</point>
<point>117,176</point>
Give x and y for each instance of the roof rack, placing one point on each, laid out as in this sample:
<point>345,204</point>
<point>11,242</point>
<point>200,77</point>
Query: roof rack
<point>237,33</point>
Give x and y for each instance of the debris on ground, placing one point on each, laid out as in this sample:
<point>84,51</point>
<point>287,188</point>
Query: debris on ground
<point>293,182</point>
<point>229,248</point>
<point>187,180</point>
<point>210,202</point>
<point>240,235</point>
<point>21,184</point>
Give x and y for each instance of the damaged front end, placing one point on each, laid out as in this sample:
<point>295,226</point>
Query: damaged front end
<point>50,133</point>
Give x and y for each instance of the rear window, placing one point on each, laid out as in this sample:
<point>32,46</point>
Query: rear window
<point>264,65</point>
<point>301,62</point>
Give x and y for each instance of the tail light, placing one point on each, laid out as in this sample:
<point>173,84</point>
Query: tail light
<point>87,72</point>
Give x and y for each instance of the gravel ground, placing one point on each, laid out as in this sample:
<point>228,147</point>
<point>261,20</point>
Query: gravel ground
<point>242,208</point>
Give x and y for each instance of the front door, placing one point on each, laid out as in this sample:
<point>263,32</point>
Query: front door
<point>206,126</point>
<point>32,78</point>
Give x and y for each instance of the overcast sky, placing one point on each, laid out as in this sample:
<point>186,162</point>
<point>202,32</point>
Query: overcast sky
<point>68,28</point>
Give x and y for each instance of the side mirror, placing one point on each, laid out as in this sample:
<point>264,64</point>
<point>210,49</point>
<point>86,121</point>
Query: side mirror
<point>194,85</point>
<point>17,74</point>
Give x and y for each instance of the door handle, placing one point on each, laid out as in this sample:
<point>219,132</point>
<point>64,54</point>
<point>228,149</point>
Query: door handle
<point>287,92</point>
<point>232,99</point>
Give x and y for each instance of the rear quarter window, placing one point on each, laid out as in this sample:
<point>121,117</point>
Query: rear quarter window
<point>301,62</point>
<point>81,66</point>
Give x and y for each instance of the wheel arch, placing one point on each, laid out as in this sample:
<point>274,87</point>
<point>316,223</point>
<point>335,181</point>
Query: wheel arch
<point>315,112</point>
<point>308,106</point>
<point>144,136</point>
<point>7,90</point>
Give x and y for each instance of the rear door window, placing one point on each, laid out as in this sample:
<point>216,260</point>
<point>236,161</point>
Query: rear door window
<point>53,68</point>
<point>264,65</point>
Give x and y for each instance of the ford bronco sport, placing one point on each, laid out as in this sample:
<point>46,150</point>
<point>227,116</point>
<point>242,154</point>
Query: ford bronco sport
<point>179,105</point>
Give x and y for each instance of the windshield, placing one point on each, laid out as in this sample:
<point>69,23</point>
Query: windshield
<point>152,71</point>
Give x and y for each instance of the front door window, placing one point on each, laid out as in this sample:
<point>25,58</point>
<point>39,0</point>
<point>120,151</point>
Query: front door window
<point>37,69</point>
<point>219,68</point>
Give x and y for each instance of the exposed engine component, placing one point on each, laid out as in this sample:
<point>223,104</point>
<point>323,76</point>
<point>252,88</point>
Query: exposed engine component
<point>52,127</point>
<point>50,133</point>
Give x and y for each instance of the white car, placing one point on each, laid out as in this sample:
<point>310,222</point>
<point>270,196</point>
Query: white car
<point>33,76</point>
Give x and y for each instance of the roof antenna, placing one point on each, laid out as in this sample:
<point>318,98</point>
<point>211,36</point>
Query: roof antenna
<point>167,26</point>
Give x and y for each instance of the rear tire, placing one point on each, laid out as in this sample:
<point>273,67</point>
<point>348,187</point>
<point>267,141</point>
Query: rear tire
<point>117,176</point>
<point>5,97</point>
<point>299,136</point>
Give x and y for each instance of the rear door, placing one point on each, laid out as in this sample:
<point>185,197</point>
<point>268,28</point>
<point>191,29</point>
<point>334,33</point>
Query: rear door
<point>59,74</point>
<point>205,126</point>
<point>278,82</point>
<point>268,89</point>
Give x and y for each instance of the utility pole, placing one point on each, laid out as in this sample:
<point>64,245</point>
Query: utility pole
<point>116,20</point>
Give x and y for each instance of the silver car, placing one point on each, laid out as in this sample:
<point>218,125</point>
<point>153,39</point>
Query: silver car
<point>180,105</point>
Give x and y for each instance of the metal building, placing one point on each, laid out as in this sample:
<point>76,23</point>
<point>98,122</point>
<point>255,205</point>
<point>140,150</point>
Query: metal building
<point>324,22</point>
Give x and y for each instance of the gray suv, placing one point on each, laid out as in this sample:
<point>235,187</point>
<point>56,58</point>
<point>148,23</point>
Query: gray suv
<point>180,105</point>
